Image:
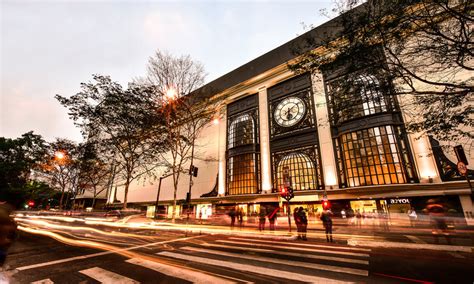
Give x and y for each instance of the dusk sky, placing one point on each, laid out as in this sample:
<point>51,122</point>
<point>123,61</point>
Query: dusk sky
<point>50,47</point>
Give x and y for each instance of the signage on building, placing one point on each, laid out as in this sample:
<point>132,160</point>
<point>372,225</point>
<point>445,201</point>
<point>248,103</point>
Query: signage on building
<point>462,168</point>
<point>399,201</point>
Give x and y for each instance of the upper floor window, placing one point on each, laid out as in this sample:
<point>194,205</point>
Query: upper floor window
<point>358,94</point>
<point>242,131</point>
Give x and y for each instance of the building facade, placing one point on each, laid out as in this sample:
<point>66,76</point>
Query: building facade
<point>348,145</point>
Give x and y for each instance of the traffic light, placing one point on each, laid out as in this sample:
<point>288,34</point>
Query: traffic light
<point>283,191</point>
<point>31,203</point>
<point>326,204</point>
<point>290,193</point>
<point>193,171</point>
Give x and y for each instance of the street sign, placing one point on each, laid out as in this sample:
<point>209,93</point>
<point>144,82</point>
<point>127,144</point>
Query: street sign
<point>462,168</point>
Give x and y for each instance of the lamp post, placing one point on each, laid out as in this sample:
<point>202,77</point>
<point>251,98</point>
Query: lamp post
<point>171,94</point>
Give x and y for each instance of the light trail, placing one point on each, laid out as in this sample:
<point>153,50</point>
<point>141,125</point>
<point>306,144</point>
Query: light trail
<point>109,249</point>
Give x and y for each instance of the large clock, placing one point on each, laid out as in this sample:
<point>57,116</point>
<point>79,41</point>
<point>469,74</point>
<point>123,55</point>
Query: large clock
<point>289,111</point>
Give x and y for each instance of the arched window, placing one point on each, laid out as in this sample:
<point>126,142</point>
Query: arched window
<point>242,131</point>
<point>299,170</point>
<point>370,91</point>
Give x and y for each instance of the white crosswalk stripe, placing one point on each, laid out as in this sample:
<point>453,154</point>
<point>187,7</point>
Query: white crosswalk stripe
<point>305,255</point>
<point>317,266</point>
<point>328,249</point>
<point>303,245</point>
<point>185,274</point>
<point>105,276</point>
<point>252,268</point>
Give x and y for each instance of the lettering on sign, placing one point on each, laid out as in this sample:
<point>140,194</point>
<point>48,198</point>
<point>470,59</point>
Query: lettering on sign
<point>400,201</point>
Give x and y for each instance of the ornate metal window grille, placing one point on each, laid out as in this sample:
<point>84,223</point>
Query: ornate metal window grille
<point>357,95</point>
<point>301,166</point>
<point>243,174</point>
<point>374,156</point>
<point>242,131</point>
<point>243,159</point>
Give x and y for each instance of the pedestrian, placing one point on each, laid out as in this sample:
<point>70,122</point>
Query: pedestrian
<point>303,224</point>
<point>8,231</point>
<point>272,217</point>
<point>232,215</point>
<point>240,217</point>
<point>261,218</point>
<point>437,215</point>
<point>297,219</point>
<point>343,214</point>
<point>412,216</point>
<point>358,217</point>
<point>326,217</point>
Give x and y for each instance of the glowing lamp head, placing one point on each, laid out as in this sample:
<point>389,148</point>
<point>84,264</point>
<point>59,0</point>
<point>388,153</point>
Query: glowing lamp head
<point>31,203</point>
<point>59,155</point>
<point>215,121</point>
<point>171,93</point>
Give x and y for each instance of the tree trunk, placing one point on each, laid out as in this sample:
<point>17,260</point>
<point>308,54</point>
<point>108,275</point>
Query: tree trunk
<point>125,194</point>
<point>61,200</point>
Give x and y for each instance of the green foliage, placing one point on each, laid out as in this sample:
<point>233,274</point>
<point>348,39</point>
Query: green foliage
<point>125,124</point>
<point>427,50</point>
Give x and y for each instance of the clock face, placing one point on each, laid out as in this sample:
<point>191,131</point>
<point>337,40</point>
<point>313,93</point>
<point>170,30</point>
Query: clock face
<point>289,111</point>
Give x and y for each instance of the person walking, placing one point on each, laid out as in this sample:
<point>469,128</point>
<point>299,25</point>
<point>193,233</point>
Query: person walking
<point>240,217</point>
<point>297,219</point>
<point>303,223</point>
<point>232,215</point>
<point>358,217</point>
<point>326,217</point>
<point>8,231</point>
<point>272,217</point>
<point>412,216</point>
<point>261,218</point>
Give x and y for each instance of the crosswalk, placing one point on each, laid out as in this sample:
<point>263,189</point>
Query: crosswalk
<point>241,260</point>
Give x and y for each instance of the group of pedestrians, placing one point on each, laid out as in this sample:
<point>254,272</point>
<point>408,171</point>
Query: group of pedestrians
<point>236,214</point>
<point>301,221</point>
<point>271,214</point>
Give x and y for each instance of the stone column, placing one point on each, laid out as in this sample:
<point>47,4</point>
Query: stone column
<point>265,159</point>
<point>222,144</point>
<point>328,162</point>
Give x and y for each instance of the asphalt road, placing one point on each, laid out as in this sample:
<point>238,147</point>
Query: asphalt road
<point>172,257</point>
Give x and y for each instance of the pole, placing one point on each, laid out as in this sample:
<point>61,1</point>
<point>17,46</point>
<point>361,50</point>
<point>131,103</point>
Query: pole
<point>158,198</point>
<point>191,166</point>
<point>289,218</point>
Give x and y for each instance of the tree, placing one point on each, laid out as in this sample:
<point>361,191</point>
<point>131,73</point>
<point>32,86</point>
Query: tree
<point>124,123</point>
<point>94,171</point>
<point>61,170</point>
<point>427,50</point>
<point>174,80</point>
<point>18,159</point>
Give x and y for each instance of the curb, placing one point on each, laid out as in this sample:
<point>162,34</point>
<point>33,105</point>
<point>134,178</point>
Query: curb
<point>450,248</point>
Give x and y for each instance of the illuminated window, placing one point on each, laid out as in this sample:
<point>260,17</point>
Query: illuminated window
<point>354,96</point>
<point>242,131</point>
<point>243,174</point>
<point>299,168</point>
<point>372,156</point>
<point>243,157</point>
